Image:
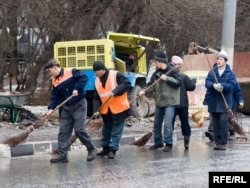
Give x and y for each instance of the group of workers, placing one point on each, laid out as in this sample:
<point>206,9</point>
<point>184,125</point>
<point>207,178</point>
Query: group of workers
<point>110,100</point>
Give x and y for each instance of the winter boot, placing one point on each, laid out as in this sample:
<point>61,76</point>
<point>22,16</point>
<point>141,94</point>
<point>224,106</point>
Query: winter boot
<point>111,154</point>
<point>186,142</point>
<point>168,148</point>
<point>104,152</point>
<point>210,135</point>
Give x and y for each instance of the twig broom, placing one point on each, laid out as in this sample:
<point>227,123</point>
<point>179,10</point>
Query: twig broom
<point>19,138</point>
<point>236,127</point>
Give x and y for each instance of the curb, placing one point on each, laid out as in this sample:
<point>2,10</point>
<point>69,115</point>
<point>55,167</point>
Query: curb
<point>47,147</point>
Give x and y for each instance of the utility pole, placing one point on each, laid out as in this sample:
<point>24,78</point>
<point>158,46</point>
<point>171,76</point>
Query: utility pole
<point>228,29</point>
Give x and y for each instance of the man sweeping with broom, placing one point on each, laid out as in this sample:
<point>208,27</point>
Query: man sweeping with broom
<point>111,89</point>
<point>69,82</point>
<point>167,96</point>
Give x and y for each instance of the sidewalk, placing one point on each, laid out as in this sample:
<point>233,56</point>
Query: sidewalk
<point>47,147</point>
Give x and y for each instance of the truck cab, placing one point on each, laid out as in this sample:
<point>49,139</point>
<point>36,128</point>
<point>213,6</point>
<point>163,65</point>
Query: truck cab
<point>119,51</point>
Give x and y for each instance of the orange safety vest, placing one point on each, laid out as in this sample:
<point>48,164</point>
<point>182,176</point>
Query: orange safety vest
<point>66,75</point>
<point>116,104</point>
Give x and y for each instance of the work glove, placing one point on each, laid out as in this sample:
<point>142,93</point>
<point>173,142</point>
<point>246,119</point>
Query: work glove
<point>241,104</point>
<point>218,87</point>
<point>96,115</point>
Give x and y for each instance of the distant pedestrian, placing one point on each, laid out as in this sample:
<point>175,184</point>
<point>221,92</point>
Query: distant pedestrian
<point>187,84</point>
<point>113,86</point>
<point>216,105</point>
<point>67,82</point>
<point>167,96</point>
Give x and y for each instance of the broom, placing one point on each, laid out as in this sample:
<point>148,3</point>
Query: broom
<point>145,138</point>
<point>19,138</point>
<point>97,126</point>
<point>236,127</point>
<point>198,117</point>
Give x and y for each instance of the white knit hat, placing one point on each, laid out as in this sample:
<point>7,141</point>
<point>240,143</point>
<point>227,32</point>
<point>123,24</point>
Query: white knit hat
<point>223,54</point>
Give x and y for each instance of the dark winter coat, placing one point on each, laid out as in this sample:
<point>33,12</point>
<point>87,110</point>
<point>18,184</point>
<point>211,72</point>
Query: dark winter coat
<point>228,81</point>
<point>167,92</point>
<point>237,96</point>
<point>64,90</point>
<point>187,84</point>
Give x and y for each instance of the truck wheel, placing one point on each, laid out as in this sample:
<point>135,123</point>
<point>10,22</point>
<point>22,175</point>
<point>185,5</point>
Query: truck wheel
<point>139,108</point>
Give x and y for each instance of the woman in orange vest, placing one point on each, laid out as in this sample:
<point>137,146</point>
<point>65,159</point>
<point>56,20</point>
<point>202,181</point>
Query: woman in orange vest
<point>113,86</point>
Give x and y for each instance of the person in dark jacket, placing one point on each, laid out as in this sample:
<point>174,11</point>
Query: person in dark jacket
<point>111,88</point>
<point>237,100</point>
<point>167,96</point>
<point>220,82</point>
<point>67,82</point>
<point>187,84</point>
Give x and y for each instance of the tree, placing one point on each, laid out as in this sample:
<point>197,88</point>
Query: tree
<point>175,23</point>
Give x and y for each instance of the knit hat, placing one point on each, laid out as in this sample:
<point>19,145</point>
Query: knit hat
<point>223,54</point>
<point>51,63</point>
<point>176,60</point>
<point>161,57</point>
<point>98,65</point>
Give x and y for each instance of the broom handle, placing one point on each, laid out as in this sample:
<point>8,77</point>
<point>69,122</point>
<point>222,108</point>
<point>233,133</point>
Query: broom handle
<point>74,137</point>
<point>155,82</point>
<point>216,80</point>
<point>57,107</point>
<point>105,102</point>
<point>61,104</point>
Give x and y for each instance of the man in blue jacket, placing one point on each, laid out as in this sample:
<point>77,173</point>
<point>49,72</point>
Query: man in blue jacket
<point>67,82</point>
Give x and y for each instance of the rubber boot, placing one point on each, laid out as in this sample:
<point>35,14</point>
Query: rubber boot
<point>186,142</point>
<point>104,152</point>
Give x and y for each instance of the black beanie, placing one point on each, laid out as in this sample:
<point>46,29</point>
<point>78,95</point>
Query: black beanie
<point>161,57</point>
<point>98,65</point>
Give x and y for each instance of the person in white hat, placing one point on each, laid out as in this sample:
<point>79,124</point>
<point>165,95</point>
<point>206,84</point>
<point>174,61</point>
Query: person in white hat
<point>220,83</point>
<point>187,84</point>
<point>237,100</point>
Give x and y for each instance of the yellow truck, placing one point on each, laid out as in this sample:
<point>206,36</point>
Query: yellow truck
<point>119,51</point>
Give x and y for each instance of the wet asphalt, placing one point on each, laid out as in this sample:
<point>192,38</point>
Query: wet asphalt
<point>133,167</point>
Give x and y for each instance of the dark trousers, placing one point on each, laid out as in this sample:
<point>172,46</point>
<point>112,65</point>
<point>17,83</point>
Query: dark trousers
<point>112,133</point>
<point>184,119</point>
<point>73,117</point>
<point>220,125</point>
<point>210,126</point>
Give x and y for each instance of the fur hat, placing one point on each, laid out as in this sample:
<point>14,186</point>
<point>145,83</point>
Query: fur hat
<point>161,57</point>
<point>223,54</point>
<point>51,63</point>
<point>98,65</point>
<point>176,60</point>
